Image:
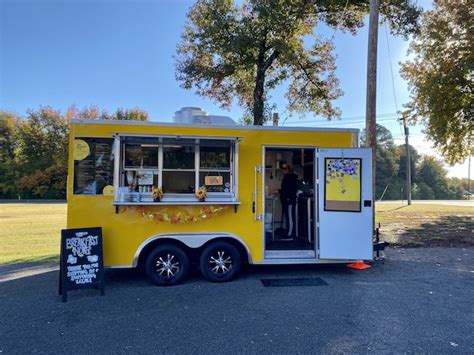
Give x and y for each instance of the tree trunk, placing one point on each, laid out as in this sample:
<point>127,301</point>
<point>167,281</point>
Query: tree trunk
<point>258,102</point>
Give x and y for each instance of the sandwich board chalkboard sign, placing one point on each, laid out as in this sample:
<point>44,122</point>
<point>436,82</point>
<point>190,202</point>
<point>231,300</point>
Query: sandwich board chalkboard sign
<point>81,262</point>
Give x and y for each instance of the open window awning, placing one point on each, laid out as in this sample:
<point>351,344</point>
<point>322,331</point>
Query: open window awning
<point>177,139</point>
<point>166,141</point>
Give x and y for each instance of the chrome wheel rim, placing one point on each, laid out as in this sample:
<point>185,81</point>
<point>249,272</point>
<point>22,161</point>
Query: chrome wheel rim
<point>167,265</point>
<point>220,262</point>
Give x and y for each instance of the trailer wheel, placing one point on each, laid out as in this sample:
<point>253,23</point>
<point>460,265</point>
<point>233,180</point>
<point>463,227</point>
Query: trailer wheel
<point>167,265</point>
<point>220,262</point>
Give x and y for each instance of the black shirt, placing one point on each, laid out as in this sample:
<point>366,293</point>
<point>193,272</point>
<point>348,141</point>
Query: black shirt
<point>289,186</point>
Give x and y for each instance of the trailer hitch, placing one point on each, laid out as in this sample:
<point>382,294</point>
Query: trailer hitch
<point>379,246</point>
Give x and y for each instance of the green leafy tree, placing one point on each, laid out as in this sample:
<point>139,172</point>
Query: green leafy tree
<point>8,171</point>
<point>432,173</point>
<point>456,188</point>
<point>401,157</point>
<point>466,185</point>
<point>383,136</point>
<point>134,114</point>
<point>386,165</point>
<point>440,77</point>
<point>41,152</point>
<point>245,51</point>
<point>421,191</point>
<point>41,140</point>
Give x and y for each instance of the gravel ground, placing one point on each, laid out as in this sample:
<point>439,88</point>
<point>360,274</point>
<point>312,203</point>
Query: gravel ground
<point>418,300</point>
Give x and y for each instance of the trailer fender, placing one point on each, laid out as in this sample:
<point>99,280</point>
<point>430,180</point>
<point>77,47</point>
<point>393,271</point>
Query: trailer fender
<point>191,240</point>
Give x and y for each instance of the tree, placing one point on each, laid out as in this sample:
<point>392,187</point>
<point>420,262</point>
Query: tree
<point>456,188</point>
<point>41,140</point>
<point>49,183</point>
<point>401,157</point>
<point>229,51</point>
<point>41,154</point>
<point>93,112</point>
<point>432,173</point>
<point>383,136</point>
<point>386,165</point>
<point>421,191</point>
<point>8,173</point>
<point>440,77</point>
<point>33,149</point>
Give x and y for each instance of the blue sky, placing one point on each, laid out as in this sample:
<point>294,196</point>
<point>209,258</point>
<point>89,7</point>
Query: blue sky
<point>119,54</point>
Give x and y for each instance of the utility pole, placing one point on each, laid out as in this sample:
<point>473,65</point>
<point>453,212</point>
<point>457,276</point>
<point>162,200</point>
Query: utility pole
<point>275,119</point>
<point>408,162</point>
<point>370,108</point>
<point>469,175</point>
<point>470,152</point>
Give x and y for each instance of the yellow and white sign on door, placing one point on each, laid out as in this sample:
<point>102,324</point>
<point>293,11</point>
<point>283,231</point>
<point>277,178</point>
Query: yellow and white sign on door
<point>343,184</point>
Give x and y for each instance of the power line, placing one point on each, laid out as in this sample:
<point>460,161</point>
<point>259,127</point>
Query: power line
<point>382,115</point>
<point>391,75</point>
<point>332,123</point>
<point>413,135</point>
<point>407,146</point>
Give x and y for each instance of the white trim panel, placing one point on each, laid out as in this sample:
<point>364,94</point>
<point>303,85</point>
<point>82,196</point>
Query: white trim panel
<point>236,127</point>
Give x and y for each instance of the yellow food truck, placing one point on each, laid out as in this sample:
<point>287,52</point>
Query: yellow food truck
<point>174,196</point>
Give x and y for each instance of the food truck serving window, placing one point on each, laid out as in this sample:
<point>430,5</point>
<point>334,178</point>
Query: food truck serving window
<point>179,169</point>
<point>93,166</point>
<point>178,166</point>
<point>141,155</point>
<point>215,165</point>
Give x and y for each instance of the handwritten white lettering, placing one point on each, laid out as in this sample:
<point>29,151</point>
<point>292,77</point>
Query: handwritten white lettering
<point>81,246</point>
<point>82,274</point>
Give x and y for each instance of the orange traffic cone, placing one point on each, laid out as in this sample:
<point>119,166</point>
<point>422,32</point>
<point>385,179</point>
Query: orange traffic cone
<point>359,265</point>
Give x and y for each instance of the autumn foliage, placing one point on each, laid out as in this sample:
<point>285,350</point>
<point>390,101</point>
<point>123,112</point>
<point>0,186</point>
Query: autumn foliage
<point>33,149</point>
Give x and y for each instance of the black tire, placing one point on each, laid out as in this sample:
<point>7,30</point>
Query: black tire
<point>167,265</point>
<point>220,262</point>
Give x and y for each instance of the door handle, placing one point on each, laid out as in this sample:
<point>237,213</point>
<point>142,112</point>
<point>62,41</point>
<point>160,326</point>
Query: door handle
<point>258,169</point>
<point>367,203</point>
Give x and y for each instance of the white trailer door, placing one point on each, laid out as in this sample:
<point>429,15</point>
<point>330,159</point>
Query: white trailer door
<point>345,203</point>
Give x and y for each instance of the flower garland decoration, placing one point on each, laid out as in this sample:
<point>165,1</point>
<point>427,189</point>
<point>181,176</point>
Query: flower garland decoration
<point>201,193</point>
<point>180,216</point>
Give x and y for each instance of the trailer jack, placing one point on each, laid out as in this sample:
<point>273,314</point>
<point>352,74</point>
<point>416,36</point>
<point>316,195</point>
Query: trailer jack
<point>379,246</point>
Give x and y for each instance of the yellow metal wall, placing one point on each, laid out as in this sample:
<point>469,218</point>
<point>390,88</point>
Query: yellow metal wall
<point>124,232</point>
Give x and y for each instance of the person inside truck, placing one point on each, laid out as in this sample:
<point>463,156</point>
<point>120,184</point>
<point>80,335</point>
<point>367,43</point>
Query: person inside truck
<point>289,187</point>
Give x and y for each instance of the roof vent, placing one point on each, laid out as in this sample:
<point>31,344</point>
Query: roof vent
<point>196,115</point>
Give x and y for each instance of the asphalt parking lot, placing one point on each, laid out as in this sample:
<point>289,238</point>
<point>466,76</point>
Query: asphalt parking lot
<point>418,300</point>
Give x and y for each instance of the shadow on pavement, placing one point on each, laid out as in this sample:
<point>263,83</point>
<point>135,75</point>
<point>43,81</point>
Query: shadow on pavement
<point>416,301</point>
<point>117,276</point>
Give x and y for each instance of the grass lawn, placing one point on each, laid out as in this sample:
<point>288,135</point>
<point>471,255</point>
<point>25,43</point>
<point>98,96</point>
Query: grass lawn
<point>421,225</point>
<point>31,232</point>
